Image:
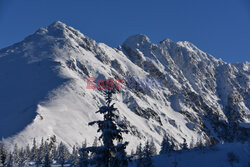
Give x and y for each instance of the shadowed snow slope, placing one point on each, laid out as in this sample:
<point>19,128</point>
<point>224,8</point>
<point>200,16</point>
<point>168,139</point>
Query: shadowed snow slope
<point>171,88</point>
<point>229,154</point>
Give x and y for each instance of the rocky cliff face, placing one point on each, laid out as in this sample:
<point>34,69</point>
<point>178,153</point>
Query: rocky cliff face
<point>170,88</point>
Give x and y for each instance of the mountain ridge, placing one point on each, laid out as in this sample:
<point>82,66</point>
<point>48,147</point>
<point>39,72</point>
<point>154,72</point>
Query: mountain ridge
<point>198,97</point>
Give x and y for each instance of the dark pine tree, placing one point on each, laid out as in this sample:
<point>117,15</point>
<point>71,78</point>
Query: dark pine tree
<point>34,151</point>
<point>152,147</point>
<point>166,146</point>
<point>139,156</point>
<point>83,158</point>
<point>3,154</point>
<point>110,132</point>
<point>27,155</point>
<point>120,159</point>
<point>47,160</point>
<point>63,154</point>
<point>9,160</point>
<point>16,158</point>
<point>40,154</point>
<point>147,154</point>
<point>74,157</point>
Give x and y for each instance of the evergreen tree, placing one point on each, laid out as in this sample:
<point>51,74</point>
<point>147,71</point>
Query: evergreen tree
<point>166,146</point>
<point>3,153</point>
<point>34,151</point>
<point>63,154</point>
<point>139,156</point>
<point>120,159</point>
<point>40,155</point>
<point>52,141</point>
<point>9,161</point>
<point>74,156</point>
<point>83,159</point>
<point>27,155</point>
<point>110,132</point>
<point>47,161</point>
<point>54,152</point>
<point>147,154</point>
<point>15,157</point>
<point>46,151</point>
<point>152,148</point>
<point>21,155</point>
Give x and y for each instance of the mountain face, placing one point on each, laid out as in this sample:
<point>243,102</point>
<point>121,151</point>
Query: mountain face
<point>169,88</point>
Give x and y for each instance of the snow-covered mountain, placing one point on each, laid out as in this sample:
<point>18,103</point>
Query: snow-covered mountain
<point>170,88</point>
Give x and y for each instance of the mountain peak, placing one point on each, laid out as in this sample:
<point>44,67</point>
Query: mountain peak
<point>187,44</point>
<point>57,24</point>
<point>167,40</point>
<point>136,40</point>
<point>56,29</point>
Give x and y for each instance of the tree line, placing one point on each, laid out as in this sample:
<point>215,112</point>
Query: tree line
<point>110,153</point>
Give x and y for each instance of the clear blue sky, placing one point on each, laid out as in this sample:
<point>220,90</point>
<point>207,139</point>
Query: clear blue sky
<point>219,27</point>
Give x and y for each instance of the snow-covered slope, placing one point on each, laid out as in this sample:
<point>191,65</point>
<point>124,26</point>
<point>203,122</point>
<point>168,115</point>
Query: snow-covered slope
<point>180,90</point>
<point>229,154</point>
